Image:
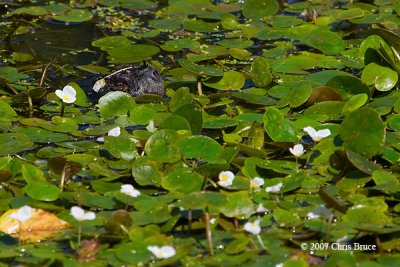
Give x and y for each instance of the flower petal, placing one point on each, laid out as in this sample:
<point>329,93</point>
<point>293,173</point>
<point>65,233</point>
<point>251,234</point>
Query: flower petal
<point>60,94</point>
<point>69,90</point>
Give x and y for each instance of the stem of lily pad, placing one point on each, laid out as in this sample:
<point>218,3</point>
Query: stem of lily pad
<point>261,241</point>
<point>208,233</point>
<point>199,88</point>
<point>297,164</point>
<point>62,108</point>
<point>190,217</point>
<point>79,234</point>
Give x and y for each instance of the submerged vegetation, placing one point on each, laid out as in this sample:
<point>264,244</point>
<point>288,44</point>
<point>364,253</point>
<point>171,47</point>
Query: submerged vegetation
<point>277,142</point>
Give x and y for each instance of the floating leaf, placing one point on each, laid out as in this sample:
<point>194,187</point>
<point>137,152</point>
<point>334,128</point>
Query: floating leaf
<point>182,180</point>
<point>41,225</point>
<point>199,69</point>
<point>145,172</point>
<point>254,9</point>
<point>121,147</point>
<point>14,143</point>
<point>200,148</point>
<point>74,15</point>
<point>163,146</point>
<point>42,191</point>
<point>231,80</point>
<point>277,127</point>
<point>6,111</point>
<point>115,103</point>
<point>383,78</point>
<point>366,138</point>
<point>260,72</point>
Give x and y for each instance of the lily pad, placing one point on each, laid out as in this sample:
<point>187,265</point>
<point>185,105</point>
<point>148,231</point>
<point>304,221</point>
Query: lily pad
<point>365,138</point>
<point>383,78</point>
<point>13,143</point>
<point>253,9</point>
<point>200,148</point>
<point>277,127</point>
<point>260,72</point>
<point>74,15</point>
<point>115,103</point>
<point>183,181</point>
<point>163,146</point>
<point>231,80</point>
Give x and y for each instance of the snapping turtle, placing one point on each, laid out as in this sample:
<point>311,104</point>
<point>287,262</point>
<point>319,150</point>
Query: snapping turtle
<point>137,80</point>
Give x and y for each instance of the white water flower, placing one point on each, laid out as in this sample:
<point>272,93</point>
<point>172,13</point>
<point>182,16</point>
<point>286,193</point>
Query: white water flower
<point>226,178</point>
<point>163,252</point>
<point>256,182</point>
<point>80,215</point>
<point>297,151</point>
<point>114,132</point>
<point>151,127</point>
<point>274,189</point>
<point>320,212</point>
<point>279,265</point>
<point>22,214</point>
<point>253,227</point>
<point>129,190</point>
<point>261,208</point>
<point>67,95</point>
<point>317,135</point>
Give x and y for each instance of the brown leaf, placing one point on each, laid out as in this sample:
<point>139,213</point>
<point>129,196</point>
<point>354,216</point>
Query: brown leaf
<point>41,225</point>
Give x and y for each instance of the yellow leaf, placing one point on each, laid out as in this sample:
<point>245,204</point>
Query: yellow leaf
<point>41,225</point>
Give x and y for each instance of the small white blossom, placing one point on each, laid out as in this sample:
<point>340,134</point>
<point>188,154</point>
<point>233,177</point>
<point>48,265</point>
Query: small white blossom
<point>261,208</point>
<point>80,215</point>
<point>317,135</point>
<point>320,212</point>
<point>67,95</point>
<point>163,252</point>
<point>213,220</point>
<point>114,132</point>
<point>151,127</point>
<point>274,189</point>
<point>297,151</point>
<point>22,214</point>
<point>256,182</point>
<point>129,190</point>
<point>279,265</point>
<point>253,227</point>
<point>226,178</point>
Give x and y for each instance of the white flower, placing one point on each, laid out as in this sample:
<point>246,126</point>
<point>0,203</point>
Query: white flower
<point>256,182</point>
<point>320,212</point>
<point>163,252</point>
<point>279,265</point>
<point>151,127</point>
<point>129,190</point>
<point>297,151</point>
<point>261,208</point>
<point>23,214</point>
<point>80,215</point>
<point>226,178</point>
<point>274,189</point>
<point>317,135</point>
<point>114,132</point>
<point>253,227</point>
<point>67,95</point>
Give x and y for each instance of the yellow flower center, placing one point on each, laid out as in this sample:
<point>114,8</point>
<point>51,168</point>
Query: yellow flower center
<point>159,254</point>
<point>66,98</point>
<point>224,178</point>
<point>254,185</point>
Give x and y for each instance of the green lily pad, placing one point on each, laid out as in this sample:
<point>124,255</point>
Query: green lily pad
<point>383,78</point>
<point>74,15</point>
<point>231,80</point>
<point>163,146</point>
<point>115,103</point>
<point>11,74</point>
<point>121,147</point>
<point>182,180</point>
<point>354,103</point>
<point>180,98</point>
<point>348,86</point>
<point>199,25</point>
<point>145,172</point>
<point>199,69</point>
<point>256,10</point>
<point>193,115</point>
<point>286,218</point>
<point>236,43</point>
<point>200,147</point>
<point>31,10</point>
<point>41,135</point>
<point>111,42</point>
<point>42,191</point>
<point>239,205</point>
<point>277,127</point>
<point>142,115</point>
<point>366,138</point>
<point>361,162</point>
<point>132,53</point>
<point>12,143</point>
<point>6,111</point>
<point>179,44</point>
<point>260,72</point>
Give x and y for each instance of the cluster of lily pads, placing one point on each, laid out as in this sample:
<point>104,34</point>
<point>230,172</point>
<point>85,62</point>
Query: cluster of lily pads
<point>279,130</point>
